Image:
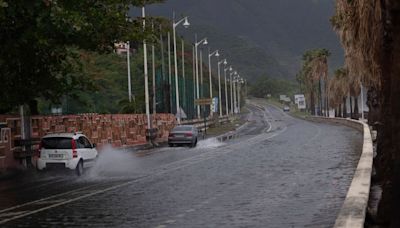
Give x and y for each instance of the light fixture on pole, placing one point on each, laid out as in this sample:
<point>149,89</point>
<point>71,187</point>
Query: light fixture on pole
<point>216,53</point>
<point>196,44</point>
<point>219,85</point>
<point>174,25</point>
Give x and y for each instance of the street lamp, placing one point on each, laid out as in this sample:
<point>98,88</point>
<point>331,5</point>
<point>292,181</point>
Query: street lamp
<point>196,45</point>
<point>241,82</point>
<point>235,79</point>
<point>174,25</point>
<point>216,53</point>
<point>226,91</point>
<point>231,88</point>
<point>219,85</point>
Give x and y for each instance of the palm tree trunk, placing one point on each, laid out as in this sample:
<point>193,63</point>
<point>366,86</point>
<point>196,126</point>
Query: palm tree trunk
<point>351,107</point>
<point>356,112</point>
<point>312,102</point>
<point>344,107</point>
<point>319,98</point>
<point>388,141</point>
<point>339,114</point>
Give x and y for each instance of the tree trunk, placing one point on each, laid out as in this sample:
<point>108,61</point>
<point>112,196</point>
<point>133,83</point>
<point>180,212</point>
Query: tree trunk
<point>319,98</point>
<point>351,107</point>
<point>391,113</point>
<point>339,114</point>
<point>33,107</point>
<point>374,107</point>
<point>356,112</point>
<point>344,107</point>
<point>312,102</point>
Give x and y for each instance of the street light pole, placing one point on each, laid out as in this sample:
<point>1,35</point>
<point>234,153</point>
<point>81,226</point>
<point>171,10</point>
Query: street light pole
<point>219,85</point>
<point>216,53</point>
<point>196,44</point>
<point>231,88</point>
<point>174,25</point>
<point>153,61</point>
<point>226,93</point>
<point>183,74</point>
<point>169,74</point>
<point>146,74</point>
<point>129,71</point>
<point>235,78</point>
<point>194,80</point>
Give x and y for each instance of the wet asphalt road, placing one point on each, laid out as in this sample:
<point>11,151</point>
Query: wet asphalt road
<point>280,172</point>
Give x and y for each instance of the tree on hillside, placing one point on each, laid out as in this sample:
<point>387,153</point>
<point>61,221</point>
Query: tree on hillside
<point>39,42</point>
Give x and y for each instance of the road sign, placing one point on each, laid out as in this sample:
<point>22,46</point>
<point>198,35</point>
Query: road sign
<point>203,101</point>
<point>214,105</point>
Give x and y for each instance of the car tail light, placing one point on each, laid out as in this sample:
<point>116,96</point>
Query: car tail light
<point>39,149</point>
<point>171,135</point>
<point>189,134</point>
<point>74,152</point>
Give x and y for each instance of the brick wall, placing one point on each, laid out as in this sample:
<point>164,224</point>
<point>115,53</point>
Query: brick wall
<point>118,130</point>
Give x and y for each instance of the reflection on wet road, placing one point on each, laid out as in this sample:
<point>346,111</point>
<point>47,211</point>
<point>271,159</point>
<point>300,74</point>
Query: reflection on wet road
<point>280,172</point>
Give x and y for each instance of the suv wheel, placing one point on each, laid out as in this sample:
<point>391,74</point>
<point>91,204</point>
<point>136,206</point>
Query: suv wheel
<point>79,168</point>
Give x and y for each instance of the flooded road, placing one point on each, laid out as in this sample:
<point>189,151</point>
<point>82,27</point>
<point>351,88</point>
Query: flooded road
<point>279,172</point>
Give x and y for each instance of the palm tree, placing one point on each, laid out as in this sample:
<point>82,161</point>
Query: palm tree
<point>315,69</point>
<point>370,34</point>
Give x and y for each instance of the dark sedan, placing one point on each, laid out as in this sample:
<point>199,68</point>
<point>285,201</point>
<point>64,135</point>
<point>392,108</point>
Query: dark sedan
<point>183,135</point>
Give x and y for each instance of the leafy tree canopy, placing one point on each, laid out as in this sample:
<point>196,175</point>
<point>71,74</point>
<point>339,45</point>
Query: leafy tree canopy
<point>39,41</point>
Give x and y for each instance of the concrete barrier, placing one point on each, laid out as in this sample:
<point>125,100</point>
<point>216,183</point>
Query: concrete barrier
<point>353,211</point>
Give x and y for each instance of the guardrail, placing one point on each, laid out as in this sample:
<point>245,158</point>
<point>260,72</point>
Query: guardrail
<point>353,211</point>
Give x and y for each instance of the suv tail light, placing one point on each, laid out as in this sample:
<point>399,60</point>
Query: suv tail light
<point>171,135</point>
<point>189,134</point>
<point>74,152</point>
<point>39,149</point>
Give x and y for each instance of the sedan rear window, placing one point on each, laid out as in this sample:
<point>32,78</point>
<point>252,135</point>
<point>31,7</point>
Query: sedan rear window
<point>57,143</point>
<point>183,128</point>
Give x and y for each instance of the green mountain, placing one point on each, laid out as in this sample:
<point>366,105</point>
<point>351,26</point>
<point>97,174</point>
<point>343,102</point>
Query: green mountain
<point>259,36</point>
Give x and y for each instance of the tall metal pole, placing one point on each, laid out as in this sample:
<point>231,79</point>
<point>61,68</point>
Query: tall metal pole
<point>231,88</point>
<point>163,68</point>
<point>234,96</point>
<point>201,74</point>
<point>169,73</point>
<point>153,61</point>
<point>226,94</point>
<point>184,74</point>
<point>239,95</point>
<point>219,89</point>
<point>178,113</point>
<point>197,78</point>
<point>146,75</point>
<point>194,80</point>
<point>129,71</point>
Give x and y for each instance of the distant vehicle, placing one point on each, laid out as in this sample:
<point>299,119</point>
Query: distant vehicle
<point>286,108</point>
<point>72,151</point>
<point>183,135</point>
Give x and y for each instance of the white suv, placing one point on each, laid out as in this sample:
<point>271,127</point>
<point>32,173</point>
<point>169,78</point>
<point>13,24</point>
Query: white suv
<point>66,150</point>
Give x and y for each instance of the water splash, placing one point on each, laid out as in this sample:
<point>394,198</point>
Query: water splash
<point>114,163</point>
<point>210,143</point>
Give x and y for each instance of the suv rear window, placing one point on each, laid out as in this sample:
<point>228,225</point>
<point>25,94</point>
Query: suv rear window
<point>57,143</point>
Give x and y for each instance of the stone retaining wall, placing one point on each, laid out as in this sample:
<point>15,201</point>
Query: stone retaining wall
<point>353,211</point>
<point>117,130</point>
